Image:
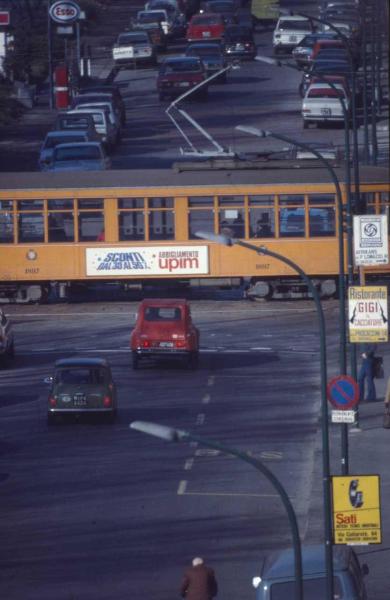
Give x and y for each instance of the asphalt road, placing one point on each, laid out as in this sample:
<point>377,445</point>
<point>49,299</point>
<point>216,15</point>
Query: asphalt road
<point>95,511</point>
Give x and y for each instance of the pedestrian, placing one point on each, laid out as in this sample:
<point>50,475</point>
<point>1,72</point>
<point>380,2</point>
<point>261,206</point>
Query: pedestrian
<point>199,582</point>
<point>366,373</point>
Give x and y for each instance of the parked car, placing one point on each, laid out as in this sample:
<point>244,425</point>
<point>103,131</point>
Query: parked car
<point>323,69</point>
<point>114,92</point>
<point>7,346</point>
<point>289,31</point>
<point>152,21</point>
<point>303,52</point>
<point>179,74</point>
<point>238,42</point>
<point>321,104</point>
<point>206,26</point>
<point>276,577</point>
<point>81,156</point>
<point>73,121</point>
<point>164,329</point>
<point>134,47</point>
<point>113,116</point>
<point>106,130</point>
<point>211,55</point>
<point>98,98</point>
<point>53,138</point>
<point>81,385</point>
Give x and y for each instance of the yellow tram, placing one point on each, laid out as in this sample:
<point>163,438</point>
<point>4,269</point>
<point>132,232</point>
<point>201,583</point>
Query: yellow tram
<point>139,227</point>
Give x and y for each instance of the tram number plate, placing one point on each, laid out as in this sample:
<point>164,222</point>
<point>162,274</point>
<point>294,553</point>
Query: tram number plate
<point>166,344</point>
<point>326,112</point>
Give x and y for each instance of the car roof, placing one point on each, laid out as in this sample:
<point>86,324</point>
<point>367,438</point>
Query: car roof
<point>280,564</point>
<point>81,362</point>
<point>65,132</point>
<point>166,302</point>
<point>78,144</point>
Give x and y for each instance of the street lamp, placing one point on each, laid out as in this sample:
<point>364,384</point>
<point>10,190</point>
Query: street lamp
<point>170,434</point>
<point>343,339</point>
<point>229,241</point>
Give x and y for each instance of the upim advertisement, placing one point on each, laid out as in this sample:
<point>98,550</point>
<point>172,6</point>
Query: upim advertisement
<point>151,261</point>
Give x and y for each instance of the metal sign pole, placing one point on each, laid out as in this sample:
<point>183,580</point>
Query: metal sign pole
<point>50,58</point>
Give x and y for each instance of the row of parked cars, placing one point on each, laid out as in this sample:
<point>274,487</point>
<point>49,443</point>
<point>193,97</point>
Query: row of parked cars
<point>329,60</point>
<point>83,136</point>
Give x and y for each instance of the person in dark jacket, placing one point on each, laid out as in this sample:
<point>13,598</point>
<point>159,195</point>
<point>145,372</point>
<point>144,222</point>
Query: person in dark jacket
<point>199,582</point>
<point>367,373</point>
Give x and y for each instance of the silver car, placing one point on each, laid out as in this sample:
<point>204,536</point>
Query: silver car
<point>82,156</point>
<point>53,138</point>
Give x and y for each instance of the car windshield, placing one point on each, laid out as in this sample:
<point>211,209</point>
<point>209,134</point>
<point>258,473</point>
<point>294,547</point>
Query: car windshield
<point>295,25</point>
<point>313,589</point>
<point>206,20</point>
<point>325,93</point>
<point>78,123</point>
<point>147,17</point>
<point>53,141</point>
<point>127,40</point>
<point>77,153</point>
<point>181,67</point>
<point>80,375</point>
<point>162,313</point>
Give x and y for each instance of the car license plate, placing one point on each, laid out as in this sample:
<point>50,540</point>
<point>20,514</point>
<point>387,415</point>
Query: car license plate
<point>183,84</point>
<point>206,34</point>
<point>326,112</point>
<point>166,344</point>
<point>292,38</point>
<point>79,400</point>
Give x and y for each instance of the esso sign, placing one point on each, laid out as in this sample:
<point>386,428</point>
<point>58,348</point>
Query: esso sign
<point>64,11</point>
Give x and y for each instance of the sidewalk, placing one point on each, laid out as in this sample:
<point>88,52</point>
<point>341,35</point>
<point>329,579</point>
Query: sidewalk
<point>369,452</point>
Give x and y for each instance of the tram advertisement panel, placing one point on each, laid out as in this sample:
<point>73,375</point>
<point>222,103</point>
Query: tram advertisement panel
<point>153,260</point>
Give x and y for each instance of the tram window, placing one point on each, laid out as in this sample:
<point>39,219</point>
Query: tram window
<point>292,222</point>
<point>30,205</point>
<point>200,220</point>
<point>384,199</point>
<point>321,199</point>
<point>131,225</point>
<point>90,203</point>
<point>160,202</point>
<point>161,225</point>
<point>261,222</point>
<point>321,222</point>
<point>30,227</point>
<point>61,227</point>
<point>231,223</point>
<point>291,199</point>
<point>231,200</point>
<point>262,200</point>
<point>6,228</point>
<point>131,202</point>
<point>200,201</point>
<point>60,204</point>
<point>6,205</point>
<point>91,224</point>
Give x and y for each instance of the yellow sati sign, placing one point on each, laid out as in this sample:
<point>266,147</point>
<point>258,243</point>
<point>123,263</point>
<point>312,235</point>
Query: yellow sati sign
<point>356,509</point>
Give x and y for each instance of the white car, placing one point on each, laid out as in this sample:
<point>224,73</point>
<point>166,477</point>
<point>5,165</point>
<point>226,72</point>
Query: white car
<point>134,47</point>
<point>113,115</point>
<point>322,104</point>
<point>84,156</point>
<point>289,31</point>
<point>101,118</point>
<point>53,138</point>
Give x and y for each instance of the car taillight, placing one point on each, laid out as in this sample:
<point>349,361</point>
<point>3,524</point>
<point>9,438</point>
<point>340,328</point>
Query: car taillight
<point>180,343</point>
<point>107,401</point>
<point>145,344</point>
<point>52,401</point>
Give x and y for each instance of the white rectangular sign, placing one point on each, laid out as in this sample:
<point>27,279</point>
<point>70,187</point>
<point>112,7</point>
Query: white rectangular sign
<point>371,242</point>
<point>147,261</point>
<point>343,416</point>
<point>368,314</point>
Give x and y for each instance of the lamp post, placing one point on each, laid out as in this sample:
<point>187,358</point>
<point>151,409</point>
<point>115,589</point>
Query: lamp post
<point>228,241</point>
<point>170,434</point>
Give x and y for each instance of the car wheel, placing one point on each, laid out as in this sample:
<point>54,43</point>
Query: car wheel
<point>111,418</point>
<point>135,361</point>
<point>193,360</point>
<point>51,419</point>
<point>305,124</point>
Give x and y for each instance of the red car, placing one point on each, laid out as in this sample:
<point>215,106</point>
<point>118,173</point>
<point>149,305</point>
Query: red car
<point>164,329</point>
<point>206,26</point>
<point>178,74</point>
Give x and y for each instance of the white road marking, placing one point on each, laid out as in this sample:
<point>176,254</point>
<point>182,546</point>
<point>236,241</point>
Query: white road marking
<point>188,464</point>
<point>240,494</point>
<point>206,399</point>
<point>210,380</point>
<point>271,455</point>
<point>182,487</point>
<point>207,452</point>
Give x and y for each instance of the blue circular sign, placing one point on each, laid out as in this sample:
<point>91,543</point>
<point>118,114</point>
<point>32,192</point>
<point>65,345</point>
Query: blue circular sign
<point>343,392</point>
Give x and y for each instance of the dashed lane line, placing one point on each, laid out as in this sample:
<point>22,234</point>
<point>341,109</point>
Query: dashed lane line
<point>182,487</point>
